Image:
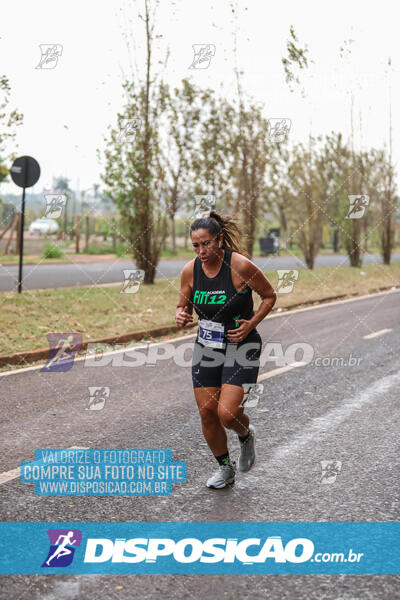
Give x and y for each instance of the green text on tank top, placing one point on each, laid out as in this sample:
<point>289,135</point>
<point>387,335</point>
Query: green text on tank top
<point>215,299</point>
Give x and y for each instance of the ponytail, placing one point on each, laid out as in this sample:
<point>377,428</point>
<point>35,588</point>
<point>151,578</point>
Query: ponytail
<point>224,224</point>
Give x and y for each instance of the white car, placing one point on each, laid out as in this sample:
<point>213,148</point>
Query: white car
<point>43,226</point>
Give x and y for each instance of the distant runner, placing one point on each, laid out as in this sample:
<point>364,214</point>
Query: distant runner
<point>218,283</point>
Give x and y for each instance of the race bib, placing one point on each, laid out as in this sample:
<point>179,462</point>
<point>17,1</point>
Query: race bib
<point>211,334</point>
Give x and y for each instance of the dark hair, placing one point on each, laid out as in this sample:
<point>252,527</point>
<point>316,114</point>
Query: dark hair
<point>224,224</point>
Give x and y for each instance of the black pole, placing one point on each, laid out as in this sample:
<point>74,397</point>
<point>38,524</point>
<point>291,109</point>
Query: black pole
<point>21,229</point>
<point>21,241</point>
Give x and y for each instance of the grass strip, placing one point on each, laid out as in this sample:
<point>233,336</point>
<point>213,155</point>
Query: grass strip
<point>101,311</point>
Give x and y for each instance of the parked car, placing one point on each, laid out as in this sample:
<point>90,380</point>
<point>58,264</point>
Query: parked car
<point>43,226</point>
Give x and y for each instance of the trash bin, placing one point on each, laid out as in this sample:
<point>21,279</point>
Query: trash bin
<point>271,242</point>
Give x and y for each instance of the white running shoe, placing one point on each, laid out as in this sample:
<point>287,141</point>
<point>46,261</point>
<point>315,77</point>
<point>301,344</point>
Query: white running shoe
<point>247,456</point>
<point>223,476</point>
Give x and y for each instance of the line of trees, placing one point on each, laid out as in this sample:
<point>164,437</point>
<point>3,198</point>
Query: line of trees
<point>172,143</point>
<point>188,141</point>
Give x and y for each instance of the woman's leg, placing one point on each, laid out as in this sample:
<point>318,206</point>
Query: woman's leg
<point>213,431</point>
<point>243,371</point>
<point>231,414</point>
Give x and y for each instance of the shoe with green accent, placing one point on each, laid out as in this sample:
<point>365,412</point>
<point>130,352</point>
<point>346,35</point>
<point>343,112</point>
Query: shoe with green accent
<point>224,476</point>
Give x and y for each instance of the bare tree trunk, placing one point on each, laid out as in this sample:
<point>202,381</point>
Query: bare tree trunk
<point>165,233</point>
<point>18,234</point>
<point>148,267</point>
<point>355,256</point>
<point>365,229</point>
<point>187,234</point>
<point>113,235</point>
<point>86,233</point>
<point>387,241</point>
<point>387,232</point>
<point>173,234</point>
<point>283,225</point>
<point>77,233</point>
<point>14,226</point>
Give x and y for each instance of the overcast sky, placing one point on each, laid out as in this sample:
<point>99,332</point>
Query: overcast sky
<point>67,109</point>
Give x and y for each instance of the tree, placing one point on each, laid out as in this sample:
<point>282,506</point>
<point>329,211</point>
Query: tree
<point>335,161</point>
<point>250,151</point>
<point>61,185</point>
<point>134,175</point>
<point>277,190</point>
<point>183,113</point>
<point>296,60</point>
<point>383,188</point>
<point>308,193</point>
<point>389,198</point>
<point>8,121</point>
<point>303,171</point>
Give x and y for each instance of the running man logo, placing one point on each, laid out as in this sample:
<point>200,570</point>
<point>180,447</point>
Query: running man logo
<point>330,470</point>
<point>54,205</point>
<point>286,280</point>
<point>203,54</point>
<point>133,279</point>
<point>98,397</point>
<point>357,207</point>
<point>128,128</point>
<point>278,129</point>
<point>50,54</point>
<point>204,205</point>
<point>61,551</point>
<point>252,394</point>
<point>62,351</point>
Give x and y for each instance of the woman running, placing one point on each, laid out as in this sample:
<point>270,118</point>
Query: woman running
<point>218,283</point>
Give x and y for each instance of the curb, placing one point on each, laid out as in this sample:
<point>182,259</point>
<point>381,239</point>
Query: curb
<point>20,358</point>
<point>30,356</point>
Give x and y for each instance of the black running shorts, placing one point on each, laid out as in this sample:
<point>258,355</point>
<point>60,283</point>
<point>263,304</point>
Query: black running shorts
<point>236,364</point>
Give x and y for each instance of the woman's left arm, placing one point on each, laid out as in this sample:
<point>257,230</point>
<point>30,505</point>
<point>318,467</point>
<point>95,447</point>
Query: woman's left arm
<point>256,279</point>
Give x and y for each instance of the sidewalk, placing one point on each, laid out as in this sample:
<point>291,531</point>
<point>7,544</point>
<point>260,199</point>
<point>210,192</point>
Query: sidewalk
<point>82,259</point>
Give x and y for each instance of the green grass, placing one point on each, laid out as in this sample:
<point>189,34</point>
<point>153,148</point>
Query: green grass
<point>52,251</point>
<point>97,312</point>
<point>95,249</point>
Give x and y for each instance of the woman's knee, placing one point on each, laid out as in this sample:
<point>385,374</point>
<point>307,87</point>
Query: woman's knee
<point>208,407</point>
<point>208,414</point>
<point>229,416</point>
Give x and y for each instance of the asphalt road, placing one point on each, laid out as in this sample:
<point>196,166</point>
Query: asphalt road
<point>310,413</point>
<point>54,276</point>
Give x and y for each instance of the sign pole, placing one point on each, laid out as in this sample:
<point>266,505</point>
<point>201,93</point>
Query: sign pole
<point>25,172</point>
<point>21,241</point>
<point>25,168</point>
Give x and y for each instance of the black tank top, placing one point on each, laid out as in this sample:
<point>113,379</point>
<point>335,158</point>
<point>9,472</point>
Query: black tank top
<point>216,299</point>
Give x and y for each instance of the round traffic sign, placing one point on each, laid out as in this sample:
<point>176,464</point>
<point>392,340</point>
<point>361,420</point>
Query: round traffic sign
<point>25,171</point>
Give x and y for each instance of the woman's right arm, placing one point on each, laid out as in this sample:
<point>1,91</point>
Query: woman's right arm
<point>184,308</point>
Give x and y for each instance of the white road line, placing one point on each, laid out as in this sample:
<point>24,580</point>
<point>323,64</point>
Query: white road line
<point>320,427</point>
<point>376,334</point>
<point>14,473</point>
<point>280,370</point>
<point>8,475</point>
<point>188,337</point>
<point>93,356</point>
